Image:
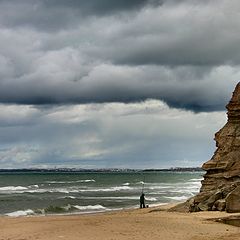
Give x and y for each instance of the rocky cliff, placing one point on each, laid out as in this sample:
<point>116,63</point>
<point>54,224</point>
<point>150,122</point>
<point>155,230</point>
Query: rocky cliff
<point>222,179</point>
<point>221,185</point>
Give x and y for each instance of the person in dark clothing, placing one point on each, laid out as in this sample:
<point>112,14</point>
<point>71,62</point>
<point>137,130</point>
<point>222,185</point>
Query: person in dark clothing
<point>142,201</point>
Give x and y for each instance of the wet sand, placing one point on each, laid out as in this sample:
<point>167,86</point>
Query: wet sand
<point>151,223</point>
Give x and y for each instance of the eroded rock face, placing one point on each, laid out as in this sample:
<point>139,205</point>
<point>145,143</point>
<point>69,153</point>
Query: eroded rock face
<point>233,200</point>
<point>222,178</point>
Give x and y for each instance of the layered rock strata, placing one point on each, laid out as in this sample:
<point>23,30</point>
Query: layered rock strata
<point>221,185</point>
<point>220,189</point>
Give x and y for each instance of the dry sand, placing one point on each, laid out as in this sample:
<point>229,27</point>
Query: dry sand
<point>150,223</point>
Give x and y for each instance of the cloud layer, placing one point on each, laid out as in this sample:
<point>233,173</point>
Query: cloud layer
<point>137,135</point>
<point>137,83</point>
<point>62,52</point>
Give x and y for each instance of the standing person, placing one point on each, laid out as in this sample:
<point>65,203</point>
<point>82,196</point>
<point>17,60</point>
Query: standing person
<point>142,201</point>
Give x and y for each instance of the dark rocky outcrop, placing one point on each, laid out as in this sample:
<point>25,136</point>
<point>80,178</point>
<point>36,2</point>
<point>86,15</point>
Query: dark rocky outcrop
<point>221,185</point>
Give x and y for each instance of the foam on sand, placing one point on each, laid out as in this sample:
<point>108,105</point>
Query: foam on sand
<point>20,213</point>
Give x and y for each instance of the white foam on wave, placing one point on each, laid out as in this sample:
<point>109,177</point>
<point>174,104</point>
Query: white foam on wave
<point>87,180</point>
<point>161,187</point>
<point>61,191</point>
<point>20,213</point>
<point>68,197</point>
<point>111,189</point>
<point>122,198</point>
<point>119,188</point>
<point>71,197</point>
<point>126,184</point>
<point>195,179</point>
<point>151,199</point>
<point>68,190</point>
<point>90,207</point>
<point>52,182</point>
<point>13,188</point>
<point>78,181</point>
<point>180,198</point>
<point>158,204</point>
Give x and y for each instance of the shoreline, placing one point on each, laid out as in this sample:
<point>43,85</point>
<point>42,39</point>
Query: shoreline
<point>17,214</point>
<point>149,223</point>
<point>31,213</point>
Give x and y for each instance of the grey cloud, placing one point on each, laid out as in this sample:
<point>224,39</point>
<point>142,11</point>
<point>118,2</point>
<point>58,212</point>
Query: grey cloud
<point>182,87</point>
<point>99,7</point>
<point>177,34</point>
<point>108,135</point>
<point>54,15</point>
<point>153,53</point>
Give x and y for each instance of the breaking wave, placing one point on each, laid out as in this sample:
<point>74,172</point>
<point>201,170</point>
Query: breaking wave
<point>180,198</point>
<point>13,188</point>
<point>90,207</point>
<point>20,213</point>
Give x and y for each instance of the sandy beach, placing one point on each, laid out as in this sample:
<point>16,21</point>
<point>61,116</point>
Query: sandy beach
<point>150,223</point>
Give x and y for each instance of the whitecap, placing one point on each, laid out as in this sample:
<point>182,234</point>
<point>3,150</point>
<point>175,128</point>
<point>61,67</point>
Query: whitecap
<point>68,197</point>
<point>111,189</point>
<point>178,198</point>
<point>195,179</point>
<point>87,180</point>
<point>77,181</point>
<point>13,188</point>
<point>20,213</point>
<point>34,186</point>
<point>90,207</point>
<point>119,188</point>
<point>151,199</point>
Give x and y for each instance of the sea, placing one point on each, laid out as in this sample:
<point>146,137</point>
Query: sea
<point>40,193</point>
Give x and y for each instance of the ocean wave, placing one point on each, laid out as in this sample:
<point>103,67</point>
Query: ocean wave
<point>195,179</point>
<point>52,209</point>
<point>158,204</point>
<point>68,197</point>
<point>90,207</point>
<point>67,191</point>
<point>68,209</point>
<point>57,210</point>
<point>20,213</point>
<point>161,187</point>
<point>126,184</point>
<point>153,199</point>
<point>13,188</point>
<point>193,183</point>
<point>180,198</point>
<point>111,189</point>
<point>77,181</point>
<point>87,180</point>
<point>34,186</point>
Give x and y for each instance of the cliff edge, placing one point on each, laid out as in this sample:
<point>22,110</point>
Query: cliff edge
<point>220,188</point>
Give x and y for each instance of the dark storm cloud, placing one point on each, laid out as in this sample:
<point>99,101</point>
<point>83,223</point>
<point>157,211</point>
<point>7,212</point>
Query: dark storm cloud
<point>64,52</point>
<point>54,15</point>
<point>185,33</point>
<point>181,87</point>
<point>97,7</point>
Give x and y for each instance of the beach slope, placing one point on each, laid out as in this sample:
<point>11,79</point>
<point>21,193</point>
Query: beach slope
<point>151,223</point>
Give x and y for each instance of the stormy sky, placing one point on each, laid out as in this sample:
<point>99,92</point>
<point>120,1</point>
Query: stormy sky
<point>130,84</point>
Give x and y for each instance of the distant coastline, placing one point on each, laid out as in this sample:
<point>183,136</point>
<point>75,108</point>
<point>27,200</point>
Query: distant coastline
<point>80,170</point>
